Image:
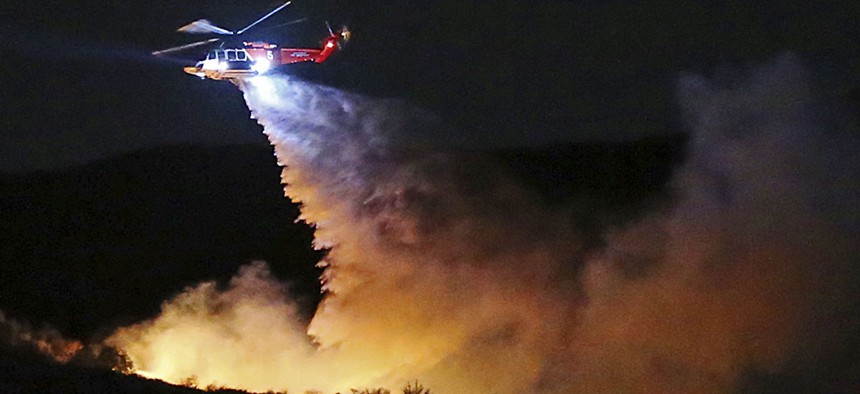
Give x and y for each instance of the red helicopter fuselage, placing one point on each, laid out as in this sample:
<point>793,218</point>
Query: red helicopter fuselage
<point>281,56</point>
<point>256,58</point>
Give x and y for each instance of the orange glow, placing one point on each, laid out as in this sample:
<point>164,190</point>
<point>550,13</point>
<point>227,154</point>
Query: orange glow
<point>45,340</point>
<point>444,270</point>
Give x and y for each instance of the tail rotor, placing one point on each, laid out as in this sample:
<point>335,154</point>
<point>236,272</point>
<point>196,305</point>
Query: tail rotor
<point>344,34</point>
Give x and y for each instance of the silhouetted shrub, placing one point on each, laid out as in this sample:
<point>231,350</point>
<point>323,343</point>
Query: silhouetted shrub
<point>411,388</point>
<point>371,391</point>
<point>415,389</point>
<point>104,357</point>
<point>190,381</point>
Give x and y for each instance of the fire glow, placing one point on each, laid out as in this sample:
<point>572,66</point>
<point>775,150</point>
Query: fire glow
<point>443,269</point>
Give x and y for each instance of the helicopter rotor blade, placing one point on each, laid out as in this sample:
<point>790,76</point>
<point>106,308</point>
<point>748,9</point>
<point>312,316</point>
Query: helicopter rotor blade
<point>293,22</point>
<point>203,26</point>
<point>186,46</point>
<point>282,6</point>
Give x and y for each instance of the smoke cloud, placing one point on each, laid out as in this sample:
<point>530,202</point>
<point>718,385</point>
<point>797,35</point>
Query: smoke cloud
<point>444,269</point>
<point>45,341</point>
<point>753,270</point>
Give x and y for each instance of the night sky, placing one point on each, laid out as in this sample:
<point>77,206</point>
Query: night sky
<point>79,84</point>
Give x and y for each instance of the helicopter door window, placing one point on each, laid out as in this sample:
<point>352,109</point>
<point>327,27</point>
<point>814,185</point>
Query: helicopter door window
<point>232,55</point>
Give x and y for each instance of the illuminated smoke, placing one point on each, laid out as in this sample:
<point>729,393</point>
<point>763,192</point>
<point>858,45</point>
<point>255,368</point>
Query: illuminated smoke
<point>245,335</point>
<point>46,341</point>
<point>443,269</point>
<point>434,263</point>
<point>754,269</point>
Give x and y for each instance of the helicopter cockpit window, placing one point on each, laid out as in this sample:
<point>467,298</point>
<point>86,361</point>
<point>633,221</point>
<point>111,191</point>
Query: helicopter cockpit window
<point>236,55</point>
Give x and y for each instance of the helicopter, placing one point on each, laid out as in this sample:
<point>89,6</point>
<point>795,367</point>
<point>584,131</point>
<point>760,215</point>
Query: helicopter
<point>251,58</point>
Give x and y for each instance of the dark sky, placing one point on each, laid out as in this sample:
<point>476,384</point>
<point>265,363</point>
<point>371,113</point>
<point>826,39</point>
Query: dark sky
<point>78,82</point>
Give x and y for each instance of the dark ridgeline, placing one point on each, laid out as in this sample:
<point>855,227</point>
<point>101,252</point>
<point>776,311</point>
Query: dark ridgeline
<point>104,244</point>
<point>24,372</point>
<point>601,184</point>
